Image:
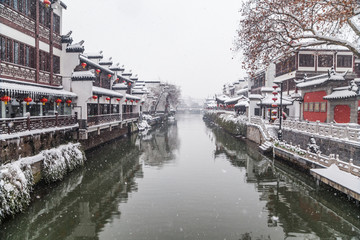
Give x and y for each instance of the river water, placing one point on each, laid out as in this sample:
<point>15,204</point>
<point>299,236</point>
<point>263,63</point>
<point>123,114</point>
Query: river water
<point>184,181</point>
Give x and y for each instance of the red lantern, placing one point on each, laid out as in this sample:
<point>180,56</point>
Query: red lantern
<point>68,102</point>
<point>5,99</point>
<point>142,103</point>
<point>43,100</point>
<point>274,105</point>
<point>27,100</point>
<point>274,112</point>
<point>137,101</point>
<point>274,118</point>
<point>47,3</point>
<point>126,100</point>
<point>117,79</point>
<point>94,97</point>
<point>131,101</point>
<point>118,99</point>
<point>274,99</point>
<point>58,101</point>
<point>83,65</point>
<point>275,93</point>
<point>275,86</point>
<point>108,99</point>
<point>129,83</point>
<point>109,75</point>
<point>98,71</point>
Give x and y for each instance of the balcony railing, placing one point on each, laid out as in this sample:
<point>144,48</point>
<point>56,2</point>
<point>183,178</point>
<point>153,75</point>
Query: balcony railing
<point>106,118</point>
<point>25,73</point>
<point>15,125</point>
<point>130,115</point>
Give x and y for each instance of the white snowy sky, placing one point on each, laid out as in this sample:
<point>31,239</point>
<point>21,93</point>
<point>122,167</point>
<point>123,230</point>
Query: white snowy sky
<point>184,42</point>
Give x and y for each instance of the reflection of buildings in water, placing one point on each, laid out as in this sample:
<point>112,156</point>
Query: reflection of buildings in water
<point>165,141</point>
<point>84,202</point>
<point>290,201</point>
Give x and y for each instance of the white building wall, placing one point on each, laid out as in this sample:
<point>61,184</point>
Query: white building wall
<point>83,89</point>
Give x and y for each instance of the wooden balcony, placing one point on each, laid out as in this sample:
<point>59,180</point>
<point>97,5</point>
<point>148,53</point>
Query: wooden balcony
<point>100,119</point>
<point>130,115</point>
<point>16,125</point>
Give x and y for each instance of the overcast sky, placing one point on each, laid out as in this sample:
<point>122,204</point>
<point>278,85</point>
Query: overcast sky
<point>184,42</point>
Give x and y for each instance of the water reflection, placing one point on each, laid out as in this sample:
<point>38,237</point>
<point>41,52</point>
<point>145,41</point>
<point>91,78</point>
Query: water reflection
<point>78,207</point>
<point>159,146</point>
<point>293,201</point>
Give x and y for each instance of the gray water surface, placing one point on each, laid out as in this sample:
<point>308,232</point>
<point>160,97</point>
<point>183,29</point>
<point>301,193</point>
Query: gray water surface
<point>184,181</point>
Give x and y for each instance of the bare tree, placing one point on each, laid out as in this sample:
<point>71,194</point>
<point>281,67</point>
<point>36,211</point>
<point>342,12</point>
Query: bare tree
<point>274,28</point>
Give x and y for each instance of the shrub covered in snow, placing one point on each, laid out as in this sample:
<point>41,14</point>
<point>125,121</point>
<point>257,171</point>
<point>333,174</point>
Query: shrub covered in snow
<point>16,182</point>
<point>59,161</point>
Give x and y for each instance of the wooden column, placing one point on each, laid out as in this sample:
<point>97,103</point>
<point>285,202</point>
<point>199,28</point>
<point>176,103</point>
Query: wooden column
<point>37,53</point>
<point>51,46</point>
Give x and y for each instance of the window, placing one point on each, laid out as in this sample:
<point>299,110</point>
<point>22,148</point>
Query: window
<point>2,48</point>
<point>56,22</point>
<point>257,112</point>
<point>21,54</point>
<point>311,107</point>
<point>9,57</point>
<point>317,107</point>
<point>16,52</point>
<point>325,60</point>
<point>344,61</point>
<point>306,60</point>
<point>306,107</point>
<point>56,62</point>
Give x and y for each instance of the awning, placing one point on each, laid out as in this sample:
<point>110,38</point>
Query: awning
<point>15,87</point>
<point>128,96</point>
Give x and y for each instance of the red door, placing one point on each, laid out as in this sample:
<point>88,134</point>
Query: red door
<point>342,114</point>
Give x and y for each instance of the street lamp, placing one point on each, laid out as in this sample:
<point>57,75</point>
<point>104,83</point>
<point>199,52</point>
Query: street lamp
<point>280,110</point>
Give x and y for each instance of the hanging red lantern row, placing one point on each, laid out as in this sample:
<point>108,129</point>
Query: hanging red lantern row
<point>58,101</point>
<point>107,99</point>
<point>94,97</point>
<point>47,3</point>
<point>5,99</point>
<point>44,100</point>
<point>109,75</point>
<point>27,100</point>
<point>68,102</point>
<point>97,71</point>
<point>83,65</point>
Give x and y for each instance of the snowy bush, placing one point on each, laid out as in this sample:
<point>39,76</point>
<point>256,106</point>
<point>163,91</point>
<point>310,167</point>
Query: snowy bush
<point>59,161</point>
<point>16,182</point>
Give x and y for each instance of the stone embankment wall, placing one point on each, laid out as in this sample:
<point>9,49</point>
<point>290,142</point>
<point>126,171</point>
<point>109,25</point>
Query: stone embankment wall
<point>18,147</point>
<point>327,145</point>
<point>237,128</point>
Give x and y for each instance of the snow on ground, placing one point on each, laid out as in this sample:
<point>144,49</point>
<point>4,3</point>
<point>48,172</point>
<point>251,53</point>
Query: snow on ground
<point>342,178</point>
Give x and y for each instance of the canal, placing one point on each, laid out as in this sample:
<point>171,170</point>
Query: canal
<point>184,181</point>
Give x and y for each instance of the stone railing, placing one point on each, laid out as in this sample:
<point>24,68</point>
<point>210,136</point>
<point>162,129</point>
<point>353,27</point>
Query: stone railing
<point>105,118</point>
<point>324,160</point>
<point>15,125</point>
<point>345,132</point>
<point>260,122</point>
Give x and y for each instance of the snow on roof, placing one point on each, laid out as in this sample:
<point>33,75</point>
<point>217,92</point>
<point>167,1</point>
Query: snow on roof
<point>242,91</point>
<point>94,64</point>
<point>129,96</point>
<point>77,47</point>
<point>120,86</point>
<point>267,101</point>
<point>222,98</point>
<point>255,96</point>
<point>343,178</point>
<point>320,79</point>
<point>106,92</point>
<point>342,94</point>
<point>233,100</point>
<point>243,103</point>
<point>117,67</point>
<point>13,86</point>
<point>134,78</point>
<point>267,89</point>
<point>106,62</point>
<point>67,38</point>
<point>97,55</point>
<point>83,75</point>
<point>152,81</point>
